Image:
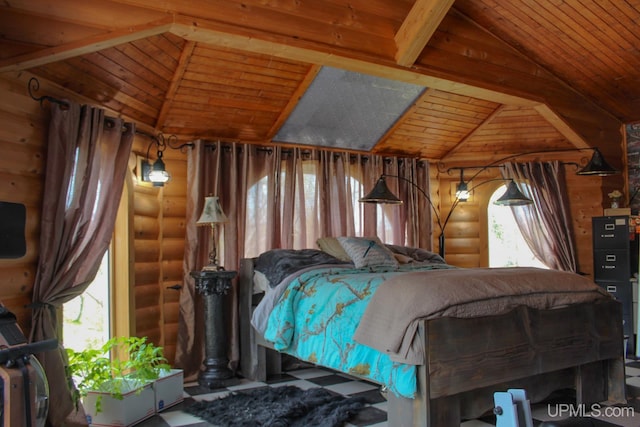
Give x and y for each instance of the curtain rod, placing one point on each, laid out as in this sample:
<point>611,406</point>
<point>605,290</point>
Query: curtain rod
<point>34,86</point>
<point>306,151</point>
<point>457,168</point>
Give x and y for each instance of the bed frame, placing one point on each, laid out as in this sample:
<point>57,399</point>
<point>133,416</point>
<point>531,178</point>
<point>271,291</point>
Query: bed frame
<point>467,360</point>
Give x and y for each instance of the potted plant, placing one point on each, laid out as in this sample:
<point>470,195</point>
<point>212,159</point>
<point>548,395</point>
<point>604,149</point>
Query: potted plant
<point>616,198</point>
<point>116,382</point>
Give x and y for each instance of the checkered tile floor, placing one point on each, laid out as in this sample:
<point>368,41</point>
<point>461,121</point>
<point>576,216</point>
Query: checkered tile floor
<point>375,413</point>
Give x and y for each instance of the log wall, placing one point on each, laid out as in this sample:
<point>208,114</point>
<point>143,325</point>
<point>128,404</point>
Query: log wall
<point>23,128</point>
<point>158,240</point>
<point>157,219</point>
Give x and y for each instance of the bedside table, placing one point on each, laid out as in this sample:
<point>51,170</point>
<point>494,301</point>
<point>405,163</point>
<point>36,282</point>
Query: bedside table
<point>213,286</point>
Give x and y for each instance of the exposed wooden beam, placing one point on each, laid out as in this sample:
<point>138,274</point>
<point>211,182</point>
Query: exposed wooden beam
<point>218,34</point>
<point>418,27</point>
<point>183,62</point>
<point>561,125</point>
<point>88,45</point>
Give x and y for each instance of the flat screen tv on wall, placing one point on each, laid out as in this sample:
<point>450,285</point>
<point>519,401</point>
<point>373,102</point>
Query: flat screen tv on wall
<point>12,221</point>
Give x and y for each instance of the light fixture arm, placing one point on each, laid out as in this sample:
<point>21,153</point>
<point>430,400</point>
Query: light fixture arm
<point>424,193</point>
<point>498,162</point>
<point>163,142</point>
<point>154,141</point>
<point>381,194</point>
<point>157,174</point>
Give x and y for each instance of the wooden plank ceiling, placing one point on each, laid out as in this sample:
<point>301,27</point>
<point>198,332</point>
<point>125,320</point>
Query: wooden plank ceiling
<point>501,77</point>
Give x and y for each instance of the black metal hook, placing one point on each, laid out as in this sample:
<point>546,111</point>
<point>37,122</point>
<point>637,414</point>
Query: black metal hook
<point>163,142</point>
<point>34,86</point>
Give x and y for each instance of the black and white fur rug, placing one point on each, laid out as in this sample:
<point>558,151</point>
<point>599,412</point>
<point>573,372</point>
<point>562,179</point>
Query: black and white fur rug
<point>282,406</point>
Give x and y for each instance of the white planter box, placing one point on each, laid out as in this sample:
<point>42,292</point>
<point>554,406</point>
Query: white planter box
<point>137,405</point>
<point>169,389</point>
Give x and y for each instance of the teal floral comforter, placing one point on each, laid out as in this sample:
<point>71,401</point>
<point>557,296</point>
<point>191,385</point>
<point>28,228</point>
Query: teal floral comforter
<point>318,313</point>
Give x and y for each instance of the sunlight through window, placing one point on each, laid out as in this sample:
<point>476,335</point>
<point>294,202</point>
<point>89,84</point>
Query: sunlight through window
<point>507,247</point>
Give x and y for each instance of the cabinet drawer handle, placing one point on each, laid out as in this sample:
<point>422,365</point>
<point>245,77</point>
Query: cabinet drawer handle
<point>609,227</point>
<point>610,258</point>
<point>612,288</point>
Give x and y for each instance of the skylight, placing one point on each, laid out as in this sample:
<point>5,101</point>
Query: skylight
<point>348,110</point>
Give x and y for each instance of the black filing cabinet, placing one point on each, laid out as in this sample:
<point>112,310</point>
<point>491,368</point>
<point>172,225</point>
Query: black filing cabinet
<point>612,265</point>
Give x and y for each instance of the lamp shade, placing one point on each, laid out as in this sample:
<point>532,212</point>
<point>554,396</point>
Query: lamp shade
<point>513,197</point>
<point>381,194</point>
<point>597,166</point>
<point>211,212</point>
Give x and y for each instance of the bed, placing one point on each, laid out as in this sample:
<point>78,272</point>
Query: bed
<point>450,346</point>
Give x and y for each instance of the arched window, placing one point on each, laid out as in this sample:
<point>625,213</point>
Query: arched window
<point>318,194</point>
<point>507,247</point>
<point>305,212</point>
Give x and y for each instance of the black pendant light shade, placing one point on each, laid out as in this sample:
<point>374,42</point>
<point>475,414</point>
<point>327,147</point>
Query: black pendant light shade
<point>597,166</point>
<point>513,197</point>
<point>381,194</point>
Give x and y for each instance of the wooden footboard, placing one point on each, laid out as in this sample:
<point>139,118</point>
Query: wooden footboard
<point>467,360</point>
<point>579,347</point>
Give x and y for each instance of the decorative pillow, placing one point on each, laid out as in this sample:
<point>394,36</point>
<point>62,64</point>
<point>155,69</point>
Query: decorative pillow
<point>367,252</point>
<point>403,259</point>
<point>331,246</point>
<point>417,254</point>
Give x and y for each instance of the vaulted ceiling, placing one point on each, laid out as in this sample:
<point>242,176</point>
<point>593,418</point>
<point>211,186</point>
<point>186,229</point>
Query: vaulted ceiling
<point>498,77</point>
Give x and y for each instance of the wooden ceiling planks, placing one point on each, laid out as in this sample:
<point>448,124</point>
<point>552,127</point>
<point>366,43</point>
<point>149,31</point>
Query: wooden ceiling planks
<point>172,64</point>
<point>590,45</point>
<point>222,89</point>
<point>174,85</point>
<point>436,123</point>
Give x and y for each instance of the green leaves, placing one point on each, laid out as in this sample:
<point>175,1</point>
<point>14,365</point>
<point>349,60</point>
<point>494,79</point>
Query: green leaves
<point>119,366</point>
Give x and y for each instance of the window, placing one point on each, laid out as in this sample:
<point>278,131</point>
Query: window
<point>507,247</point>
<point>86,317</point>
<point>306,200</point>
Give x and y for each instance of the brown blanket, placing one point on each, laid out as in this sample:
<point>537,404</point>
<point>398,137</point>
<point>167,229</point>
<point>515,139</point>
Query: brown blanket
<point>390,322</point>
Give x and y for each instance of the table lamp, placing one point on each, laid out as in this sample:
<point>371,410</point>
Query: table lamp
<point>212,214</point>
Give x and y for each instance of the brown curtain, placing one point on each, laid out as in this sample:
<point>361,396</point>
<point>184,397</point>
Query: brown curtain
<point>87,159</point>
<point>226,171</point>
<point>408,224</point>
<point>546,225</point>
<point>285,198</point>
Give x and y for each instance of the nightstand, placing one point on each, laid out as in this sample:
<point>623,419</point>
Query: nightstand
<point>213,285</point>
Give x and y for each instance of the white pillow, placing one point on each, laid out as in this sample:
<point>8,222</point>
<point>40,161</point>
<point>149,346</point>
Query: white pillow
<point>367,252</point>
<point>260,282</point>
<point>331,246</point>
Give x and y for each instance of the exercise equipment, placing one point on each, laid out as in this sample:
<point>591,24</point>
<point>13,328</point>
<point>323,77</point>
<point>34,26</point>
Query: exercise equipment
<point>24,387</point>
<point>512,408</point>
